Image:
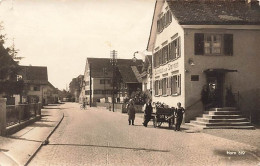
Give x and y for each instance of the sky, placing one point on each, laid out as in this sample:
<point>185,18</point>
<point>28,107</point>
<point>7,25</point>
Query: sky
<point>61,34</point>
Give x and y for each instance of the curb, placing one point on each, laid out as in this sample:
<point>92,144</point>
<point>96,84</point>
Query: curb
<point>45,142</point>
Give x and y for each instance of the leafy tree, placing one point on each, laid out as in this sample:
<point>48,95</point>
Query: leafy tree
<point>9,84</point>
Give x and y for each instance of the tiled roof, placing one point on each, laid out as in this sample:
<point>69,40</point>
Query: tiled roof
<point>127,74</point>
<point>34,74</point>
<point>205,12</point>
<point>97,65</point>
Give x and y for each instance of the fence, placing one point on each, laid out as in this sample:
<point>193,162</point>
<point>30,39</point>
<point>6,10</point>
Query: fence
<point>15,117</point>
<point>19,113</point>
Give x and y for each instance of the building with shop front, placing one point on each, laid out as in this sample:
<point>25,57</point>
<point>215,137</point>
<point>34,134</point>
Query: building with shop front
<point>206,43</point>
<point>98,80</point>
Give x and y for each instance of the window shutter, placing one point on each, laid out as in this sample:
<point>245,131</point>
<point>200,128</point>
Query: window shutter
<point>179,85</point>
<point>169,86</point>
<point>228,44</point>
<point>199,43</point>
<point>179,47</point>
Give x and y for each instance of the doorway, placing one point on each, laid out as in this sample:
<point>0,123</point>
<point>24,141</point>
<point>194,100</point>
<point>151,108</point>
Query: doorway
<point>215,81</point>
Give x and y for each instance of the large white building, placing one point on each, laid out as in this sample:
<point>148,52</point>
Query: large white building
<point>211,43</point>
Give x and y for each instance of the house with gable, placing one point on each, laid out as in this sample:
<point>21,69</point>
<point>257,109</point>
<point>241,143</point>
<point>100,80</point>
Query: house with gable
<point>211,44</point>
<point>98,76</point>
<point>37,88</point>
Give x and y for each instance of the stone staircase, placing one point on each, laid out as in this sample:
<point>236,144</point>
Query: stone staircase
<point>222,118</point>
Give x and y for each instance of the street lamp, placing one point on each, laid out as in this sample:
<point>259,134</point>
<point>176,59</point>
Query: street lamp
<point>113,61</point>
<point>134,58</point>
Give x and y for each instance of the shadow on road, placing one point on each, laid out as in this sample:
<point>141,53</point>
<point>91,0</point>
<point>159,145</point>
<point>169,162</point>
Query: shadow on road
<point>24,139</point>
<point>112,147</point>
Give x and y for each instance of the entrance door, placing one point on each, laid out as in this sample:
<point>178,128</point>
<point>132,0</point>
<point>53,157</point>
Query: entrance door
<point>215,83</point>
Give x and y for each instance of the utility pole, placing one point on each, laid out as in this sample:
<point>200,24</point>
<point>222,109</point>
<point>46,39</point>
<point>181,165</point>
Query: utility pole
<point>104,73</point>
<point>90,85</point>
<point>113,61</point>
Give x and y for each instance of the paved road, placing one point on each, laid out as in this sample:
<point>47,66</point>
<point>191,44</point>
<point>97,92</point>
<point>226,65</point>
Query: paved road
<point>99,137</point>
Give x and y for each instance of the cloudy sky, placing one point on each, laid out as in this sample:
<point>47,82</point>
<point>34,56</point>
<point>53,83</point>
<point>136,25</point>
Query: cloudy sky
<point>61,34</point>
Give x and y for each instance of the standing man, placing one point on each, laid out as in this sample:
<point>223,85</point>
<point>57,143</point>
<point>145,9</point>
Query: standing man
<point>131,112</point>
<point>179,115</point>
<point>147,112</point>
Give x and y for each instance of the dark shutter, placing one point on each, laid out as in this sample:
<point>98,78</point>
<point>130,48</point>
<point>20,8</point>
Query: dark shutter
<point>199,44</point>
<point>228,44</point>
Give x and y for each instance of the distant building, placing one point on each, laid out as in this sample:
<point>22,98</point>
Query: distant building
<point>98,74</point>
<point>37,88</point>
<point>147,74</point>
<point>211,43</point>
<point>75,87</point>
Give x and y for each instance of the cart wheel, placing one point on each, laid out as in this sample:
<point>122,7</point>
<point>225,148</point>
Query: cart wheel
<point>159,124</point>
<point>170,123</point>
<point>81,107</point>
<point>154,122</point>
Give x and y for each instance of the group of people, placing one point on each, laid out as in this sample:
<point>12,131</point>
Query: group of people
<point>178,113</point>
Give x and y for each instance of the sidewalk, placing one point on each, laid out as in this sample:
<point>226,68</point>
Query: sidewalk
<point>17,149</point>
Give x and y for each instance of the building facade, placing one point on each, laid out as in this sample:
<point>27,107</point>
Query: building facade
<point>37,88</point>
<point>98,86</point>
<point>209,44</point>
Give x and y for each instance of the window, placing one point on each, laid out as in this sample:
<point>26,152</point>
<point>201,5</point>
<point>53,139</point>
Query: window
<point>176,84</point>
<point>164,84</point>
<point>168,86</point>
<point>87,83</point>
<point>87,92</point>
<point>164,21</point>
<point>105,81</point>
<point>97,91</point>
<point>36,88</point>
<point>169,52</point>
<point>156,87</point>
<point>174,49</point>
<point>213,44</point>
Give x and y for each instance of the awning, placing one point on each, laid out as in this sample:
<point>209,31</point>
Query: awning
<point>218,70</point>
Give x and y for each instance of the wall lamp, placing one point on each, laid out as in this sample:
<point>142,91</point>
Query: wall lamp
<point>191,62</point>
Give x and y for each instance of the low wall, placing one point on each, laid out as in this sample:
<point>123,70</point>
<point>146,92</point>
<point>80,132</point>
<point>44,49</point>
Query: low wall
<point>15,128</point>
<point>15,117</point>
<point>193,111</point>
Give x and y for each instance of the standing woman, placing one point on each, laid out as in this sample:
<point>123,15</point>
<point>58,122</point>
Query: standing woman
<point>179,115</point>
<point>131,112</point>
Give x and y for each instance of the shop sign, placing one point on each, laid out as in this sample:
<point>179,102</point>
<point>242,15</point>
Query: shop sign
<point>166,68</point>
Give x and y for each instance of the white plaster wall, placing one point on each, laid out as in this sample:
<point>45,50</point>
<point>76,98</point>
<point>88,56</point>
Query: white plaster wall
<point>171,30</point>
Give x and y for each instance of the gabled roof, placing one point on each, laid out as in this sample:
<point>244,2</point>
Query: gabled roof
<point>34,74</point>
<point>207,12</point>
<point>235,12</point>
<point>127,74</point>
<point>97,65</point>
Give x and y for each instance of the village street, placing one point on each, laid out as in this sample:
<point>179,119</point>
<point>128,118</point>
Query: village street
<point>98,137</point>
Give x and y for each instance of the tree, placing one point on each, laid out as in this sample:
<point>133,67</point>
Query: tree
<point>9,84</point>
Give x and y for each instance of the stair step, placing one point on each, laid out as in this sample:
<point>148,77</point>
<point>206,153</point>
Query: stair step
<point>224,112</point>
<point>230,127</point>
<point>222,123</point>
<point>221,120</point>
<point>203,126</point>
<point>222,116</point>
<point>224,109</point>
